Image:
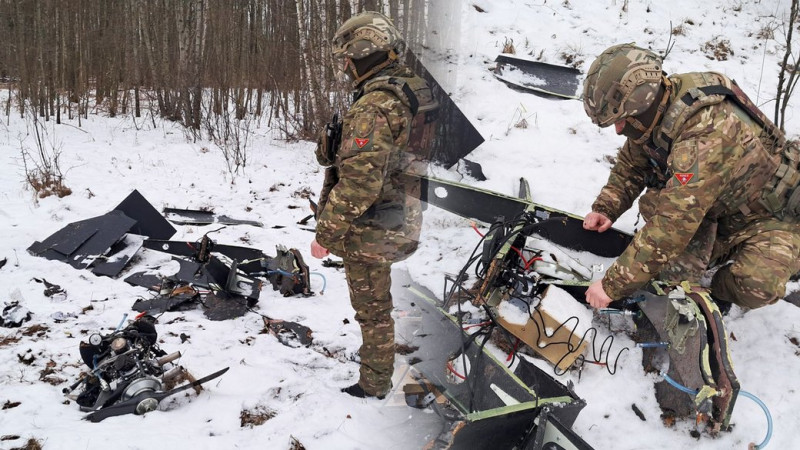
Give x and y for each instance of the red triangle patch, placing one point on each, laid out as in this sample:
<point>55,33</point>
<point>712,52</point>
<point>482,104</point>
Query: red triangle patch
<point>361,142</point>
<point>684,178</point>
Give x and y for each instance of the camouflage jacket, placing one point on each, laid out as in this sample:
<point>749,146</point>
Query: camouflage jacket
<point>364,212</point>
<point>719,161</point>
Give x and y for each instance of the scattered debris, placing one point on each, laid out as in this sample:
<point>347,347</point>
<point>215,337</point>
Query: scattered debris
<point>179,298</point>
<point>103,243</point>
<point>198,217</point>
<point>327,262</point>
<point>129,372</point>
<point>638,412</point>
<point>692,325</point>
<point>472,169</point>
<point>288,272</point>
<point>231,272</point>
<point>50,288</point>
<point>539,78</point>
<point>291,334</point>
<point>223,306</point>
<point>27,358</point>
<point>177,292</point>
<point>60,317</point>
<point>9,404</point>
<point>14,315</point>
<point>444,349</point>
<point>149,222</point>
<point>296,445</point>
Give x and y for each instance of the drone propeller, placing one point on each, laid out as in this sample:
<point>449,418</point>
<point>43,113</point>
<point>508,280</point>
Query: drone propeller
<point>146,401</point>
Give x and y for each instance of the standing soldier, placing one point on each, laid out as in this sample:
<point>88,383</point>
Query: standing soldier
<point>721,182</point>
<point>369,213</point>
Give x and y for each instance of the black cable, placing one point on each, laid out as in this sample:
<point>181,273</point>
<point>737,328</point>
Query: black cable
<point>606,345</point>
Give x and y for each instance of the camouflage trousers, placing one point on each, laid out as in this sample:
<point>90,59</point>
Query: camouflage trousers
<point>758,264</point>
<point>370,295</point>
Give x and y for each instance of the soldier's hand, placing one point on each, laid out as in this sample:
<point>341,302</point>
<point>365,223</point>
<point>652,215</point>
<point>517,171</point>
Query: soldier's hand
<point>596,295</point>
<point>318,251</point>
<point>595,221</point>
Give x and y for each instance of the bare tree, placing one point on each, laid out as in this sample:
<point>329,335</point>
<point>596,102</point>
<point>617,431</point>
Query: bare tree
<point>787,77</point>
<point>264,58</point>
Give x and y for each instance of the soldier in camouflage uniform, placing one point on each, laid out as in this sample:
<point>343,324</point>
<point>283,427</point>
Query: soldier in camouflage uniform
<point>365,214</point>
<point>720,182</point>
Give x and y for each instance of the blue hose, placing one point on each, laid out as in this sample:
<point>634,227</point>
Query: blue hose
<point>122,322</point>
<point>653,345</point>
<point>677,385</point>
<point>752,397</point>
<point>282,272</point>
<point>324,281</point>
<point>766,412</point>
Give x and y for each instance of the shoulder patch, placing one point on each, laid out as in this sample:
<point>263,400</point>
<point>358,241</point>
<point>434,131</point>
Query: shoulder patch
<point>361,142</point>
<point>363,126</point>
<point>685,158</point>
<point>684,178</point>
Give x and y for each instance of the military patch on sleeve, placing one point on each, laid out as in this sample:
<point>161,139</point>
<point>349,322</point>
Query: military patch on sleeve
<point>364,125</point>
<point>685,164</point>
<point>361,142</point>
<point>684,178</point>
<point>685,158</point>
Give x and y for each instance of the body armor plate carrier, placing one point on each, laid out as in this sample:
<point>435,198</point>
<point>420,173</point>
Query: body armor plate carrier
<point>780,194</point>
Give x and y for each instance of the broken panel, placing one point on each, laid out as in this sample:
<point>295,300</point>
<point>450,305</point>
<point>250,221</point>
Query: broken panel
<point>149,222</point>
<point>80,243</point>
<point>197,217</point>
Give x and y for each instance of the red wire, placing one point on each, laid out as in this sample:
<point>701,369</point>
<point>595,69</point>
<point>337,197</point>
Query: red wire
<point>475,227</point>
<point>511,353</point>
<point>533,260</point>
<point>527,263</point>
<point>477,325</point>
<point>453,371</point>
<point>596,362</point>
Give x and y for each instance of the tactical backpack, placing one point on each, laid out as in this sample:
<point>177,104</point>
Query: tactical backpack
<point>415,93</point>
<point>780,195</point>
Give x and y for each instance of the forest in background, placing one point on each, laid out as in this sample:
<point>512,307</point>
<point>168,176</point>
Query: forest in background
<point>210,64</point>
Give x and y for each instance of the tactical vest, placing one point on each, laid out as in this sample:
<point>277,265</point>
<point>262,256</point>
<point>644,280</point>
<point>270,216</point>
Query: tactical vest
<point>695,91</point>
<point>415,93</point>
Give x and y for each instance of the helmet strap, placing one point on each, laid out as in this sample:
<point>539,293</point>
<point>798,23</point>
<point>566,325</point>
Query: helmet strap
<point>647,130</point>
<point>391,57</point>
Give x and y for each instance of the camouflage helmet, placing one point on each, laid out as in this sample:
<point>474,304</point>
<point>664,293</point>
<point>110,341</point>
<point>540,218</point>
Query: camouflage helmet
<point>622,82</point>
<point>365,34</point>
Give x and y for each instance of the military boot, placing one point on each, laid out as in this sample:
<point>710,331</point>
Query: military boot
<point>357,391</point>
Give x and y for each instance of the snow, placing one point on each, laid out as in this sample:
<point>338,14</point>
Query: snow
<point>561,306</point>
<point>559,151</point>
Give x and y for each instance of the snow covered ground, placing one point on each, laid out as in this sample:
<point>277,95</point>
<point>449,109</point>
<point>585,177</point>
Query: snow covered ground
<point>559,151</point>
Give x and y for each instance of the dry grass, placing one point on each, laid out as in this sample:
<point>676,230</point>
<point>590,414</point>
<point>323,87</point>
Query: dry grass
<point>256,416</point>
<point>46,184</point>
<point>32,444</point>
<point>718,48</point>
<point>508,47</point>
